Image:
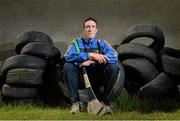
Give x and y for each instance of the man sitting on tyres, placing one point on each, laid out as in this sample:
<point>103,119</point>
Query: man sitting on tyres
<point>100,60</point>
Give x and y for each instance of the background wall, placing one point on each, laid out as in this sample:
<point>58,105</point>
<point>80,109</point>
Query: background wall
<point>61,19</point>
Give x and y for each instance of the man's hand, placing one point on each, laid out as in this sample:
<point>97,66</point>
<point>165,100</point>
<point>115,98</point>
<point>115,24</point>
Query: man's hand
<point>87,63</point>
<point>102,59</point>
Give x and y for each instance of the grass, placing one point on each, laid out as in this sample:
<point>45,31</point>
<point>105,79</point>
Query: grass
<point>124,107</point>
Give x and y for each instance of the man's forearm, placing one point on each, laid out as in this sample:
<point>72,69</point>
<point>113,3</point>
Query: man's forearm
<point>91,57</point>
<point>97,57</point>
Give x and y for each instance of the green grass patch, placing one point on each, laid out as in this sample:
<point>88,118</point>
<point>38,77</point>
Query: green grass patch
<point>124,107</point>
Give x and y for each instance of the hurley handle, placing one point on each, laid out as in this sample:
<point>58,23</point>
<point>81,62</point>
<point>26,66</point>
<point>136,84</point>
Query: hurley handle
<point>86,79</point>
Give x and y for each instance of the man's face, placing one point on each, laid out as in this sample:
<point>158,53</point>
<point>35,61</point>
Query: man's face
<point>90,29</point>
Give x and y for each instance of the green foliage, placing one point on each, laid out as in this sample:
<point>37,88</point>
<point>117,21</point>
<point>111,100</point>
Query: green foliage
<point>126,103</point>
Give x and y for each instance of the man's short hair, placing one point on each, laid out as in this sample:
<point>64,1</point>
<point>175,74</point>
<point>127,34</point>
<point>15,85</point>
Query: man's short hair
<point>89,19</point>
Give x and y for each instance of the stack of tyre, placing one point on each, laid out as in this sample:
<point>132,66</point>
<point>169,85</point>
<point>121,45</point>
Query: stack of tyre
<point>24,74</point>
<point>171,65</point>
<point>144,73</point>
<point>169,78</point>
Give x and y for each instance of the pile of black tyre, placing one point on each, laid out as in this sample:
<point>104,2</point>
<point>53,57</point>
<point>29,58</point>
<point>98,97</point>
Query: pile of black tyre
<point>151,71</point>
<point>27,75</point>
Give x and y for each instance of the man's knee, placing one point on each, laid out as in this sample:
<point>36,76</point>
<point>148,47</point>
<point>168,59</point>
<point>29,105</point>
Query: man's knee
<point>68,67</point>
<point>114,67</point>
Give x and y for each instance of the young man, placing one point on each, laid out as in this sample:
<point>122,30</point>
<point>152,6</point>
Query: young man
<point>99,58</point>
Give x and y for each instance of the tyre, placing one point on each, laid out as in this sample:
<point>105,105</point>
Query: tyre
<point>158,88</point>
<point>143,67</point>
<point>133,81</point>
<point>56,55</point>
<point>15,101</point>
<point>50,88</point>
<point>31,36</point>
<point>1,78</point>
<point>118,84</point>
<point>25,77</point>
<point>171,61</point>
<point>171,52</point>
<point>23,61</point>
<point>178,86</point>
<point>18,92</point>
<point>38,49</point>
<point>138,71</point>
<point>115,46</point>
<point>64,88</point>
<point>62,83</point>
<point>61,46</point>
<point>145,30</point>
<point>135,50</point>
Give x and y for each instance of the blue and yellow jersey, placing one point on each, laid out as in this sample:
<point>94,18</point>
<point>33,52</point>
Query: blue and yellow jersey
<point>95,45</point>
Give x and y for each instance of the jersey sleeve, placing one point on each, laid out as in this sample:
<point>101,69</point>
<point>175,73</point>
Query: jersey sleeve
<point>72,55</point>
<point>109,52</point>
